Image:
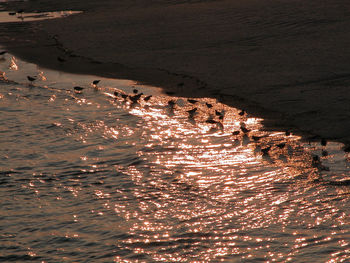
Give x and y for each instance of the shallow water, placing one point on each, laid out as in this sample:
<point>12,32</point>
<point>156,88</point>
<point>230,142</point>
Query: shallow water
<point>15,17</point>
<point>90,177</point>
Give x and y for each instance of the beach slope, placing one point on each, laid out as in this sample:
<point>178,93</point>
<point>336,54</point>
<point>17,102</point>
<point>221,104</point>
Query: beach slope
<point>286,61</point>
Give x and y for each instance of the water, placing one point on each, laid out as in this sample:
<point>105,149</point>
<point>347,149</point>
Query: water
<point>91,177</point>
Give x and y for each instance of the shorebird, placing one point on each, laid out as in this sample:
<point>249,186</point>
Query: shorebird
<point>135,91</point>
<point>266,150</point>
<point>124,96</point>
<point>116,93</point>
<point>12,13</point>
<point>287,133</point>
<point>256,138</point>
<point>281,145</point>
<point>241,113</point>
<point>3,52</point>
<point>95,82</point>
<point>31,79</point>
<point>244,129</point>
<point>192,112</point>
<point>135,98</point>
<point>323,142</point>
<point>78,89</point>
<point>211,121</point>
<point>171,103</point>
<point>192,101</point>
<point>147,98</point>
<point>208,105</point>
<point>236,133</point>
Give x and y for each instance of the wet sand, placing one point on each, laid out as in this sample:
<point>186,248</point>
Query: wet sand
<point>285,61</point>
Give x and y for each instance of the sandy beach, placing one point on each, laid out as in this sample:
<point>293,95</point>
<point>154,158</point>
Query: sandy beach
<point>285,61</point>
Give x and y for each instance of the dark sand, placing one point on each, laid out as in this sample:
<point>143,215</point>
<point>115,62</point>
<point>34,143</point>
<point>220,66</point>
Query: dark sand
<point>287,61</point>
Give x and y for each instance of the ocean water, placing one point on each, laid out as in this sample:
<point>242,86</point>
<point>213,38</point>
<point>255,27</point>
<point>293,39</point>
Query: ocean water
<point>91,177</point>
<point>94,177</point>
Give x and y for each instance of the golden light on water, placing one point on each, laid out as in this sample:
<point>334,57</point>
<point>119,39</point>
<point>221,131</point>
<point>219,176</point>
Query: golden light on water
<point>209,170</point>
<point>157,181</point>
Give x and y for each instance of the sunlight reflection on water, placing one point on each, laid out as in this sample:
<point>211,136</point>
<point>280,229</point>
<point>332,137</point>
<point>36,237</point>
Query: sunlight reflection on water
<point>152,181</point>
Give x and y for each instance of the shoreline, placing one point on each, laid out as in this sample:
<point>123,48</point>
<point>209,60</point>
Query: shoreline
<point>253,71</point>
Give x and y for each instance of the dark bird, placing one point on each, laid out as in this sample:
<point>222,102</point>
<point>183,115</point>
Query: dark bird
<point>192,112</point>
<point>60,59</point>
<point>171,103</point>
<point>211,121</point>
<point>324,153</point>
<point>147,98</point>
<point>170,93</point>
<point>281,145</point>
<point>31,79</point>
<point>323,142</point>
<point>209,105</point>
<point>236,133</point>
<point>125,96</point>
<point>116,93</point>
<point>135,91</point>
<point>221,117</point>
<point>241,113</point>
<point>316,161</point>
<point>219,113</point>
<point>12,13</point>
<point>346,148</point>
<point>95,82</point>
<point>192,101</point>
<point>78,89</point>
<point>256,138</point>
<point>287,133</point>
<point>20,11</point>
<point>244,129</point>
<point>266,150</point>
<point>3,52</point>
<point>135,98</point>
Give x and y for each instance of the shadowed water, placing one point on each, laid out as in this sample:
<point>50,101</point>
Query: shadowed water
<point>93,177</point>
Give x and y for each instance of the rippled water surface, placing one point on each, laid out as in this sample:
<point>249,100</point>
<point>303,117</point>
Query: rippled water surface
<point>91,177</point>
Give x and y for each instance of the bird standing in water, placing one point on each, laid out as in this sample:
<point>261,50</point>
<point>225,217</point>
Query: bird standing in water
<point>78,89</point>
<point>31,79</point>
<point>95,82</point>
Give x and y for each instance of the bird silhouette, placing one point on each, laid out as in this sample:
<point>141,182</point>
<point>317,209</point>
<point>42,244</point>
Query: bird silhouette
<point>95,82</point>
<point>135,98</point>
<point>147,98</point>
<point>171,103</point>
<point>31,79</point>
<point>208,105</point>
<point>266,150</point>
<point>244,129</point>
<point>192,101</point>
<point>78,89</point>
<point>281,145</point>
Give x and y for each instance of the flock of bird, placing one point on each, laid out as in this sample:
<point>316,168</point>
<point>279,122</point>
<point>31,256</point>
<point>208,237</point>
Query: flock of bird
<point>216,119</point>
